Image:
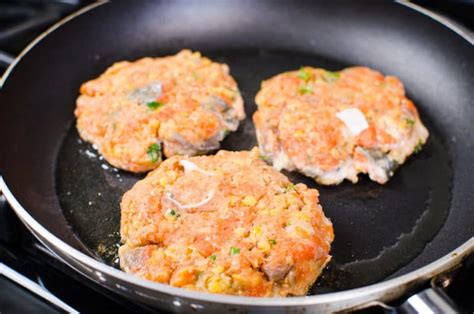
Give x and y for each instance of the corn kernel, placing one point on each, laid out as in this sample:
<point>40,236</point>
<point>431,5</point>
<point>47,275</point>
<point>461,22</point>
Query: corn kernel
<point>279,202</point>
<point>249,200</point>
<point>239,280</point>
<point>163,181</point>
<point>233,200</point>
<point>302,216</point>
<point>263,245</point>
<point>299,133</point>
<point>240,231</point>
<point>218,270</point>
<point>238,277</point>
<point>292,199</point>
<point>257,230</point>
<point>274,211</point>
<point>171,253</point>
<point>116,151</point>
<point>216,285</point>
<point>172,175</point>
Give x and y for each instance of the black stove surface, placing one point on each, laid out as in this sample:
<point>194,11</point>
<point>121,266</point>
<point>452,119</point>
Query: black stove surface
<point>20,251</point>
<point>20,22</point>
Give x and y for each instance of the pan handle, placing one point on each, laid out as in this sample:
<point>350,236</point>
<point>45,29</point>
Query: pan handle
<point>37,292</point>
<point>431,300</point>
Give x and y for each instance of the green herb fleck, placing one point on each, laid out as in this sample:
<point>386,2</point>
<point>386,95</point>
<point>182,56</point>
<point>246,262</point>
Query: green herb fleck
<point>173,213</point>
<point>234,250</point>
<point>331,77</point>
<point>304,74</point>
<point>154,152</point>
<point>289,188</point>
<point>153,105</point>
<point>305,89</point>
<point>213,257</point>
<point>272,241</point>
<point>418,148</point>
<point>410,122</point>
<point>263,157</point>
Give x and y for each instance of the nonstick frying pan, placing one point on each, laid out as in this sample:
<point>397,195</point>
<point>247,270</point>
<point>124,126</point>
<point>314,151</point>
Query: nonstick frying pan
<point>389,238</point>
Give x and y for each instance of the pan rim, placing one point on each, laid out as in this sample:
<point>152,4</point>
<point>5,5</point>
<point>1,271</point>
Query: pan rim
<point>457,28</point>
<point>348,299</point>
<point>360,296</point>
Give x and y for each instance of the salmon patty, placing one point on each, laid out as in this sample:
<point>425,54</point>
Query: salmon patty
<point>181,105</point>
<point>226,224</point>
<point>332,126</point>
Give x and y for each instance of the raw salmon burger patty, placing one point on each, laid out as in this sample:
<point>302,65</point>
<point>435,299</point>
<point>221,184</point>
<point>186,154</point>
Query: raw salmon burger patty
<point>332,126</point>
<point>227,224</point>
<point>185,103</point>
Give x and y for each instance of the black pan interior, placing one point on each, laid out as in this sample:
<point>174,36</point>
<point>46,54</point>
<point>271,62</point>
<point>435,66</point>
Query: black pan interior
<point>381,231</point>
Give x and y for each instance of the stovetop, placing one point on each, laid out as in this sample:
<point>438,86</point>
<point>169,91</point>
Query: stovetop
<point>22,255</point>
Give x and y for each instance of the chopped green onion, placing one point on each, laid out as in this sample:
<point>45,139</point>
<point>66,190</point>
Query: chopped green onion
<point>290,187</point>
<point>265,158</point>
<point>417,148</point>
<point>330,77</point>
<point>304,89</point>
<point>234,250</point>
<point>153,105</point>
<point>172,213</point>
<point>154,152</point>
<point>272,241</point>
<point>213,257</point>
<point>409,121</point>
<point>304,74</point>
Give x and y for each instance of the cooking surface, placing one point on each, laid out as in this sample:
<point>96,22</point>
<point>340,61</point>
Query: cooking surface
<point>405,213</point>
<point>28,257</point>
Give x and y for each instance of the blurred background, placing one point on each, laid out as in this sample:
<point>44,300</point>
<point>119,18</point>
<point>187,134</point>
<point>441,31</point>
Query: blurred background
<point>23,20</point>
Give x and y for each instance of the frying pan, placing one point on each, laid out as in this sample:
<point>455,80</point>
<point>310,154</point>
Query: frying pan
<point>390,239</point>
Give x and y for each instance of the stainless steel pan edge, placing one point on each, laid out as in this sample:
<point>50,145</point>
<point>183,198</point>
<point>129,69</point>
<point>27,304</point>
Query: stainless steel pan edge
<point>449,23</point>
<point>178,299</point>
<point>181,300</point>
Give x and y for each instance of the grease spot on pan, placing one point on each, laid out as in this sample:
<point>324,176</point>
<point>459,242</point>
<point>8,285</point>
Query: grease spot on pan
<point>399,222</point>
<point>379,229</point>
